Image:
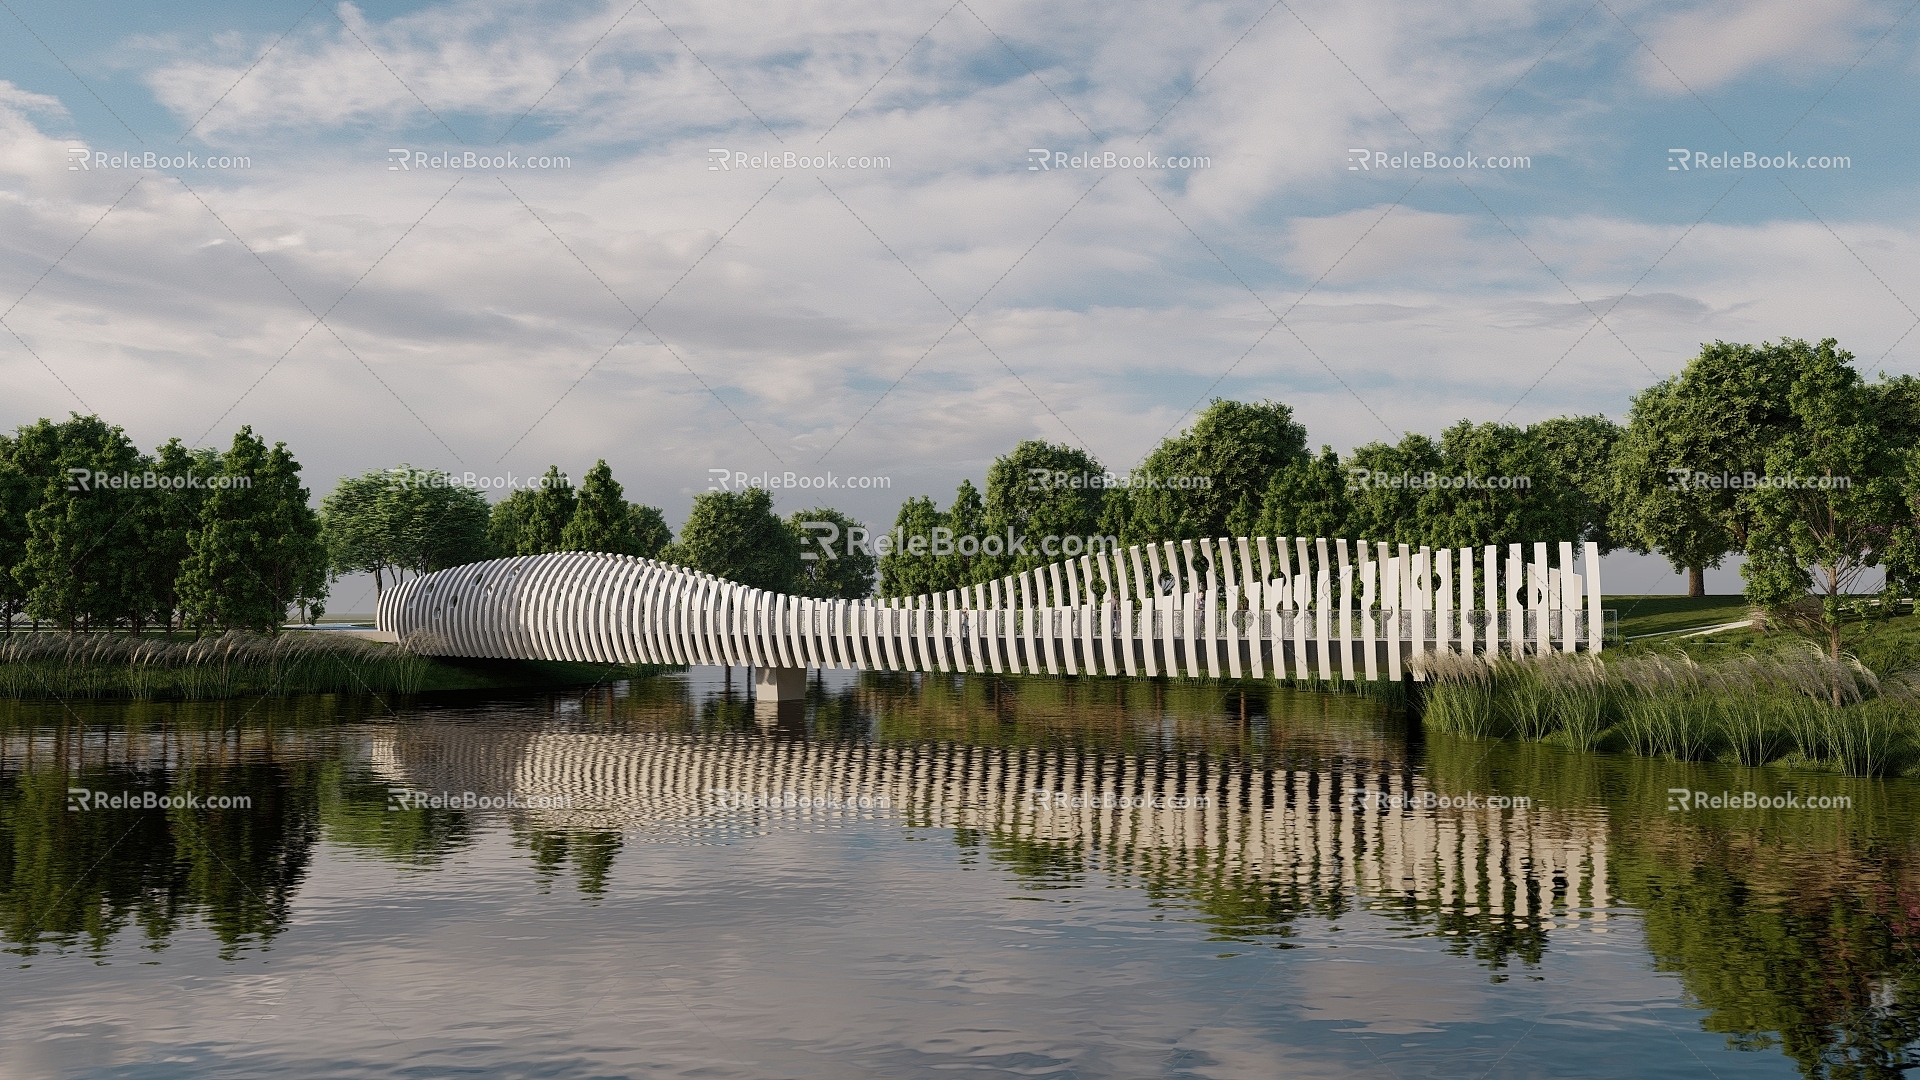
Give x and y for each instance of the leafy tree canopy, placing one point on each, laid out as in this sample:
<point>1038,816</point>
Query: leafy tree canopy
<point>1192,483</point>
<point>1039,490</point>
<point>830,566</point>
<point>737,536</point>
<point>600,519</point>
<point>1830,521</point>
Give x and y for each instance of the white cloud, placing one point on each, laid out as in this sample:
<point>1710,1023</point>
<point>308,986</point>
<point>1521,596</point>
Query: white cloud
<point>1713,45</point>
<point>25,100</point>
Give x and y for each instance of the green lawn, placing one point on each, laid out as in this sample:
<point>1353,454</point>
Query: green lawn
<point>1886,646</point>
<point>1641,615</point>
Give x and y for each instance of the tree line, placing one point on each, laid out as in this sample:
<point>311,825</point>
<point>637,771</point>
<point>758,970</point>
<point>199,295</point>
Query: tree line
<point>1783,452</point>
<point>1243,469</point>
<point>94,533</point>
<point>97,535</point>
<point>394,522</point>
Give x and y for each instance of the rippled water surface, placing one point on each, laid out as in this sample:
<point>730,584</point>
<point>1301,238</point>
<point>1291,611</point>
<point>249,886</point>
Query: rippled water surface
<point>1033,877</point>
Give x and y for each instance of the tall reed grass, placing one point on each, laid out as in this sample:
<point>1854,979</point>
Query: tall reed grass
<point>116,665</point>
<point>1798,704</point>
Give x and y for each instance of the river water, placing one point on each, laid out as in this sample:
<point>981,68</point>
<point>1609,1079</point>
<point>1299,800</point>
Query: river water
<point>924,877</point>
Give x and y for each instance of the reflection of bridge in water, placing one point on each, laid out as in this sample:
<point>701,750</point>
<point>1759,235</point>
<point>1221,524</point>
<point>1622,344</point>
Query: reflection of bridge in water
<point>1240,607</point>
<point>1230,823</point>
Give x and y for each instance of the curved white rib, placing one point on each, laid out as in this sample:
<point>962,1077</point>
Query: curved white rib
<point>1110,613</point>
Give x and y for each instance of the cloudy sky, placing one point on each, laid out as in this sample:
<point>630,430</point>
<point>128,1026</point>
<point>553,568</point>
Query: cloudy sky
<point>910,319</point>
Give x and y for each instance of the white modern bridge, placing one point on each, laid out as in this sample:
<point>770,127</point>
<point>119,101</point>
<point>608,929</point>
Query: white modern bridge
<point>1259,607</point>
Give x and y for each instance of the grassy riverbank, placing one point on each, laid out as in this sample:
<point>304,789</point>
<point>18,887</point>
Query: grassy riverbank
<point>1644,617</point>
<point>1789,705</point>
<point>61,666</point>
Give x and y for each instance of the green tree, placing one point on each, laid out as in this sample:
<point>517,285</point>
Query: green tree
<point>830,565</point>
<point>353,527</point>
<point>258,550</point>
<point>507,523</point>
<point>548,512</point>
<point>1039,490</point>
<point>1205,480</point>
<point>909,566</point>
<point>28,461</point>
<point>170,517</point>
<point>1308,497</point>
<point>963,564</point>
<point>1713,420</point>
<point>437,523</point>
<point>649,527</point>
<point>1829,499</point>
<point>1384,486</point>
<point>737,536</point>
<point>80,562</point>
<point>600,521</point>
<point>1497,485</point>
<point>1580,449</point>
<point>1899,415</point>
<point>18,498</point>
<point>403,520</point>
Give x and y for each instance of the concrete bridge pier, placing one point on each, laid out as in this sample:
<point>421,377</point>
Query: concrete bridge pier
<point>779,684</point>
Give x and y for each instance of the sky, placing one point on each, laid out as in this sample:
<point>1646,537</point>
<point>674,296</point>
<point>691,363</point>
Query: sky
<point>644,278</point>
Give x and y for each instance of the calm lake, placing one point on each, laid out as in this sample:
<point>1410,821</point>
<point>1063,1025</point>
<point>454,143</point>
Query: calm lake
<point>907,878</point>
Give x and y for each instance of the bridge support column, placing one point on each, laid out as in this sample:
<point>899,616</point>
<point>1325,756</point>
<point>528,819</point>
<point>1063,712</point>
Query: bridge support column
<point>779,684</point>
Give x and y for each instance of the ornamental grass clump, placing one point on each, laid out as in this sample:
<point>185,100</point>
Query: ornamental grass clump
<point>1663,711</point>
<point>1839,711</point>
<point>1459,694</point>
<point>1866,739</point>
<point>1578,689</point>
<point>1755,716</point>
<point>1524,699</point>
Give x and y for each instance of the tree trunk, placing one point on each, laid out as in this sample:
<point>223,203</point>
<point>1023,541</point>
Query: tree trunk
<point>1696,581</point>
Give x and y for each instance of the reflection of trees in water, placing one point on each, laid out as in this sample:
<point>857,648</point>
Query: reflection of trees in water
<point>80,879</point>
<point>356,810</point>
<point>1127,715</point>
<point>1792,929</point>
<point>1791,932</point>
<point>1819,961</point>
<point>1131,715</point>
<point>591,851</point>
<point>72,876</point>
<point>1273,843</point>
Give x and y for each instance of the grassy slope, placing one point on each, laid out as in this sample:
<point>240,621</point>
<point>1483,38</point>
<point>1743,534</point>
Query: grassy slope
<point>1663,614</point>
<point>1885,646</point>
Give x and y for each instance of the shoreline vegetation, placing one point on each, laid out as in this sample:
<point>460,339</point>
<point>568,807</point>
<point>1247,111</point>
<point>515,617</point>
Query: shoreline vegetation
<point>1791,707</point>
<point>57,666</point>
